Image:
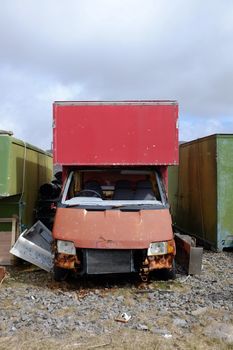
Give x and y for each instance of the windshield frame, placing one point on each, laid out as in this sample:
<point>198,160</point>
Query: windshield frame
<point>93,202</point>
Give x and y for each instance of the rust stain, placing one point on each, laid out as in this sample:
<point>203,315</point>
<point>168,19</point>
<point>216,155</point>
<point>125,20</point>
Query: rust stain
<point>2,273</point>
<point>155,263</point>
<point>132,230</point>
<point>66,261</point>
<point>160,262</point>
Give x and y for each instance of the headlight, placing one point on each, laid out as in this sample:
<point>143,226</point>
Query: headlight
<point>66,247</point>
<point>158,248</point>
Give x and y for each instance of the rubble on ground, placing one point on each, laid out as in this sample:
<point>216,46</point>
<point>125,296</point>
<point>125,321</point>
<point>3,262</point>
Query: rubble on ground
<point>168,310</point>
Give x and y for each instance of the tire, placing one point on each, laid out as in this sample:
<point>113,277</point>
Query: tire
<point>60,274</point>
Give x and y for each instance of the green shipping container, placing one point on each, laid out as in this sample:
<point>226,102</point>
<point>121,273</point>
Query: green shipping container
<point>201,190</point>
<point>23,169</point>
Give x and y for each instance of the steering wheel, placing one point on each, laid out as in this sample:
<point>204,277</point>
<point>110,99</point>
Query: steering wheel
<point>88,191</point>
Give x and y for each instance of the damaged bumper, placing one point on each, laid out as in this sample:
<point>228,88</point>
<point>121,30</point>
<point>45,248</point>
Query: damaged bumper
<point>163,257</point>
<point>66,261</point>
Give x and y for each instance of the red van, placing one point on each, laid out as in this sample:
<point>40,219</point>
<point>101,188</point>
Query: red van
<point>113,215</point>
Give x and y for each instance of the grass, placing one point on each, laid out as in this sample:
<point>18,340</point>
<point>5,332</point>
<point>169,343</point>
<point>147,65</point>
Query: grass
<point>121,336</point>
<point>123,339</point>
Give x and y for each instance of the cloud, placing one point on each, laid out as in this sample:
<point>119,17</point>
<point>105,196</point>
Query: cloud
<point>26,106</point>
<point>192,128</point>
<point>103,49</point>
<point>57,91</point>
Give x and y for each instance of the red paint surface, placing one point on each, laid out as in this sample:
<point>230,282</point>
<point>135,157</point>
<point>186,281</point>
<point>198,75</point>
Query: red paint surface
<point>112,229</point>
<point>121,134</point>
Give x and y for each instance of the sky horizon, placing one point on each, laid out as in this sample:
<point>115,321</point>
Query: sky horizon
<point>116,50</point>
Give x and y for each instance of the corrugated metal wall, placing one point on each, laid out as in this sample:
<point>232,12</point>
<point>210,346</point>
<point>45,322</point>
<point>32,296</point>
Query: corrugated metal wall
<point>201,204</point>
<point>23,169</point>
<point>225,190</point>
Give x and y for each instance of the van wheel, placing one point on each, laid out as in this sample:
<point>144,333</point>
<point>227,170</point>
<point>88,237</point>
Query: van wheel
<point>60,274</point>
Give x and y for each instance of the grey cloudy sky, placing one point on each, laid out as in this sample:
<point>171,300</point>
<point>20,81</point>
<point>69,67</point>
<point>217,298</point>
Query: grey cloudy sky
<point>116,49</point>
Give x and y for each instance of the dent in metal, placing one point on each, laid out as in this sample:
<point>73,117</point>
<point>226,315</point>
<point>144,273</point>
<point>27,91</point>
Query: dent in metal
<point>34,246</point>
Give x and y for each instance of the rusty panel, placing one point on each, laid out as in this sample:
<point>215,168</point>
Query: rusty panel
<point>196,211</point>
<point>120,133</point>
<point>188,255</point>
<point>112,229</point>
<point>2,273</point>
<point>159,262</point>
<point>66,261</point>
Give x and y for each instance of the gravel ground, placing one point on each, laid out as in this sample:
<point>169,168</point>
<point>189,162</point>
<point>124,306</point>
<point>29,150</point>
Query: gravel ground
<point>193,312</point>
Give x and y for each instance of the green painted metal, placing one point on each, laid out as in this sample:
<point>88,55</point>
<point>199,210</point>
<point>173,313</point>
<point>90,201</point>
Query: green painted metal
<point>23,169</point>
<point>202,194</point>
<point>4,165</point>
<point>18,159</point>
<point>225,190</point>
<point>9,206</point>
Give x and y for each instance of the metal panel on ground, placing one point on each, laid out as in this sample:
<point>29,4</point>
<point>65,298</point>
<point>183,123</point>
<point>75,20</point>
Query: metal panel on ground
<point>34,246</point>
<point>188,255</point>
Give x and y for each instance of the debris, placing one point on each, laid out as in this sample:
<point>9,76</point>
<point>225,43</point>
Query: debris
<point>188,255</point>
<point>165,291</point>
<point>185,279</point>
<point>2,274</point>
<point>199,311</point>
<point>100,345</point>
<point>221,331</point>
<point>139,291</point>
<point>60,304</point>
<point>32,268</point>
<point>142,327</point>
<point>167,335</point>
<point>34,246</point>
<point>160,331</point>
<point>179,322</point>
<point>123,318</point>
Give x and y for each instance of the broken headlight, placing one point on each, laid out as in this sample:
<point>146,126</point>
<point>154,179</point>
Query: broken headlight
<point>66,247</point>
<point>157,248</point>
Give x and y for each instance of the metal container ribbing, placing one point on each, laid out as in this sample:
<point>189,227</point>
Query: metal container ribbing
<point>202,194</point>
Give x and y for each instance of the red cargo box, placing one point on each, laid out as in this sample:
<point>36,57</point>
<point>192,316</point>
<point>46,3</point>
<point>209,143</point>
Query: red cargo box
<point>115,133</point>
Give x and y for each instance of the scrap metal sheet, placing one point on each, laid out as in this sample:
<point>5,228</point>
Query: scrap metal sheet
<point>34,246</point>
